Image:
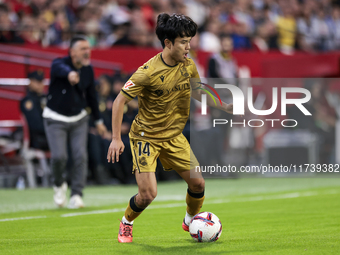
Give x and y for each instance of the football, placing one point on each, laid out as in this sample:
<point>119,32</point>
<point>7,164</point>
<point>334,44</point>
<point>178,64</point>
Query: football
<point>205,227</point>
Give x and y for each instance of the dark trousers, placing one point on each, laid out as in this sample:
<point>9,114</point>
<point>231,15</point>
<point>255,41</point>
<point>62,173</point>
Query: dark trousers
<point>58,133</point>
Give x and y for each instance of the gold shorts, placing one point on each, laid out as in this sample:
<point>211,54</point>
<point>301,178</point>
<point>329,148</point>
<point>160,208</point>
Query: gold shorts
<point>174,154</point>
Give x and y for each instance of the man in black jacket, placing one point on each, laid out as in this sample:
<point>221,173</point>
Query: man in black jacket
<point>71,90</point>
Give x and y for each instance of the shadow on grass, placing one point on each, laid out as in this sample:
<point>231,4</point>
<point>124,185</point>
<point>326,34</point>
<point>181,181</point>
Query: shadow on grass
<point>184,247</point>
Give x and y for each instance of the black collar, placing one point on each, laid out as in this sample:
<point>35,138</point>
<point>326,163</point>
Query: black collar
<point>166,63</point>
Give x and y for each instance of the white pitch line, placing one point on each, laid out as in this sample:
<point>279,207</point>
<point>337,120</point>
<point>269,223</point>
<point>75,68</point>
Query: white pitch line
<point>216,201</point>
<point>93,212</point>
<point>24,218</point>
<point>119,210</point>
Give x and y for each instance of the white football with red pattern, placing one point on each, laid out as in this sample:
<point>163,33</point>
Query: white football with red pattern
<point>205,227</point>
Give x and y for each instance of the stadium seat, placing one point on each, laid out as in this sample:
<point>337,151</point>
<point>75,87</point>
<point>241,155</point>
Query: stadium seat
<point>7,145</point>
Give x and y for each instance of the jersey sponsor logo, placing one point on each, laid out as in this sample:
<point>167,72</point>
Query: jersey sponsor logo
<point>128,85</point>
<point>162,77</point>
<point>178,88</point>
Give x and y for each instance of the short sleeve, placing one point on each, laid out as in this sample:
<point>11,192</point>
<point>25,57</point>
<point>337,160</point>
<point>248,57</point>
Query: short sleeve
<point>195,80</point>
<point>135,84</point>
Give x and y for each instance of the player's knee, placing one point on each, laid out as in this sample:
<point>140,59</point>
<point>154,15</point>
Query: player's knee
<point>198,186</point>
<point>147,197</point>
<point>201,185</point>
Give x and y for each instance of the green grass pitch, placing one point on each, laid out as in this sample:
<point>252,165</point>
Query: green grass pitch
<point>259,216</point>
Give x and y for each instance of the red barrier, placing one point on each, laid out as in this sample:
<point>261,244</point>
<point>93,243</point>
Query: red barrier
<point>9,110</point>
<point>306,65</point>
<point>272,64</point>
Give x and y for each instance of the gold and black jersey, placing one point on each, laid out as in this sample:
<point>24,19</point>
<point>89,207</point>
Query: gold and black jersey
<point>163,97</point>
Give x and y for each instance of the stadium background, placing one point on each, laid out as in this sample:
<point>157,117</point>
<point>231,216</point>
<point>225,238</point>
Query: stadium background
<point>272,39</point>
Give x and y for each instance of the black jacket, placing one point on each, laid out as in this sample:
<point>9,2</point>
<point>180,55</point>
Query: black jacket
<point>69,100</point>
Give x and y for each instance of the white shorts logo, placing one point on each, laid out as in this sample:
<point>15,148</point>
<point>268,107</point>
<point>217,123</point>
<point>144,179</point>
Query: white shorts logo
<point>128,84</point>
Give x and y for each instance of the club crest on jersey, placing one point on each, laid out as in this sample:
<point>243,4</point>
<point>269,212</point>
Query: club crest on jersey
<point>184,72</point>
<point>128,84</point>
<point>159,92</point>
<point>142,161</point>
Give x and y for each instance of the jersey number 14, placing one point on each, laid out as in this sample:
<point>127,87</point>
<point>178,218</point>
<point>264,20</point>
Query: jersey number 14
<point>146,149</point>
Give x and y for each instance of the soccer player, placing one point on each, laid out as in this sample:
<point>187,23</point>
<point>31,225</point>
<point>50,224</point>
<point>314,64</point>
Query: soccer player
<point>163,88</point>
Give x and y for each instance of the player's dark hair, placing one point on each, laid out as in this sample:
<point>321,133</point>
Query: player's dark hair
<point>176,25</point>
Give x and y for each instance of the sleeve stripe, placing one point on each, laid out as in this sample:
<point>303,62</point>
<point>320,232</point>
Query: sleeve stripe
<point>127,94</point>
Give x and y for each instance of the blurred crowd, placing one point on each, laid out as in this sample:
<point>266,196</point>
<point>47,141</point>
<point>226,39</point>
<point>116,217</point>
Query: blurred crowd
<point>287,25</point>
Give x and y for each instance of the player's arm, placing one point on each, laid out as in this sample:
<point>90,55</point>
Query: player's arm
<point>131,89</point>
<point>117,146</point>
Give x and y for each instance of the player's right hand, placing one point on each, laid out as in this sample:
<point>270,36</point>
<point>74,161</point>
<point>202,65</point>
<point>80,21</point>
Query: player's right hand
<point>73,77</point>
<point>116,148</point>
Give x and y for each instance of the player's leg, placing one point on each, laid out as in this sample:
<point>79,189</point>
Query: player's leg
<point>177,155</point>
<point>147,191</point>
<point>144,156</point>
<point>195,196</point>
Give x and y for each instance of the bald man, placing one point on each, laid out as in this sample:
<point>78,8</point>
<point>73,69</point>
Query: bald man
<point>71,89</point>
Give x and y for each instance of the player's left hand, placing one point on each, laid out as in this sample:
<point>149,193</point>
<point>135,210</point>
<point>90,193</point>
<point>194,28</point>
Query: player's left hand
<point>116,148</point>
